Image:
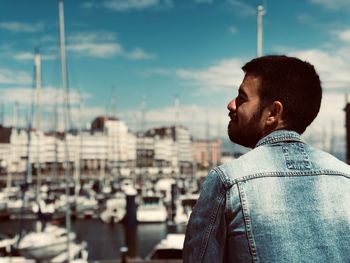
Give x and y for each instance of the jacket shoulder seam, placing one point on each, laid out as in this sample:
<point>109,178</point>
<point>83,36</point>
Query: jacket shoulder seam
<point>291,174</point>
<point>226,180</point>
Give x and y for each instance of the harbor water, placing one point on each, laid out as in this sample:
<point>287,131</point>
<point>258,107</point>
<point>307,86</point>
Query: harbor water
<point>104,240</point>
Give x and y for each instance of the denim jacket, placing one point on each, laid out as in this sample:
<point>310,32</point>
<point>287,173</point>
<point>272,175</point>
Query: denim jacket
<point>284,201</point>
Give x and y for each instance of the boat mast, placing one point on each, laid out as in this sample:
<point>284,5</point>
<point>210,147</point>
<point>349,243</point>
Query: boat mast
<point>176,167</point>
<point>66,106</point>
<point>15,158</point>
<point>28,172</point>
<point>37,61</point>
<point>143,144</point>
<point>78,153</point>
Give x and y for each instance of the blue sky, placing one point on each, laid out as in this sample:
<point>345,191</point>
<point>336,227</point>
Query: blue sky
<point>153,50</point>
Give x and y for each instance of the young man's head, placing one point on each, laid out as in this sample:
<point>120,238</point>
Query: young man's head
<point>277,92</point>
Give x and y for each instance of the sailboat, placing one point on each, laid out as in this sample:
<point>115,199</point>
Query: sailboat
<point>52,241</point>
<point>45,244</point>
<point>64,75</point>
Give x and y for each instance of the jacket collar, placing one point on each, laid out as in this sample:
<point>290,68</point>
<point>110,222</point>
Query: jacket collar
<point>279,136</point>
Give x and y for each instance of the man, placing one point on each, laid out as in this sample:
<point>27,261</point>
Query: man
<point>284,201</point>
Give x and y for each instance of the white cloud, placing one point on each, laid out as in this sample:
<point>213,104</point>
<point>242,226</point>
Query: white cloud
<point>103,45</point>
<point>125,5</point>
<point>99,36</point>
<point>22,27</point>
<point>344,35</point>
<point>197,118</point>
<point>139,54</point>
<point>156,71</point>
<point>331,62</point>
<point>306,19</point>
<point>86,115</point>
<point>48,96</point>
<point>224,74</point>
<point>232,30</point>
<point>97,50</point>
<point>8,76</point>
<point>241,8</point>
<point>99,44</point>
<point>332,67</point>
<point>47,119</point>
<point>328,129</point>
<point>94,44</point>
<point>332,111</point>
<point>332,4</point>
<point>25,56</point>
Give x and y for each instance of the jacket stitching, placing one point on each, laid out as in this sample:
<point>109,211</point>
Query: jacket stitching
<point>291,136</point>
<point>247,222</point>
<point>210,224</point>
<point>290,174</point>
<point>228,182</point>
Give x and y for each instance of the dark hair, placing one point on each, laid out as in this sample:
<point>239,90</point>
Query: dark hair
<point>291,81</point>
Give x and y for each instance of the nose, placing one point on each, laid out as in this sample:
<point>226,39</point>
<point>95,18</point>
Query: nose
<point>231,106</point>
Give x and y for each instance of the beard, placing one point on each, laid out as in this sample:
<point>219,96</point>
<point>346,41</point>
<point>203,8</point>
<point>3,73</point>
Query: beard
<point>247,134</point>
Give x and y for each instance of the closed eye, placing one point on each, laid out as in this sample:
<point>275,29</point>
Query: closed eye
<point>241,98</point>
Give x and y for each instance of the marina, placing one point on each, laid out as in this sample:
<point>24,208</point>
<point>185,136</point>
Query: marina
<point>104,241</point>
<point>104,224</point>
<point>99,193</point>
<point>89,174</point>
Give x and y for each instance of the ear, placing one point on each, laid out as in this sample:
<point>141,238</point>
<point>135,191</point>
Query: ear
<point>275,111</point>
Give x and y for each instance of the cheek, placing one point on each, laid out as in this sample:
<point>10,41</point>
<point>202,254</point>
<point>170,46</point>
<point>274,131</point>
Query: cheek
<point>244,110</point>
<point>247,113</point>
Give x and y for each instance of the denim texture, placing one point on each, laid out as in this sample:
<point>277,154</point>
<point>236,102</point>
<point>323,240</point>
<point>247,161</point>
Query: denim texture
<point>284,201</point>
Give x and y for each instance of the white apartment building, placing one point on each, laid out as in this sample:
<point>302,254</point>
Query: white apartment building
<point>164,149</point>
<point>108,145</point>
<point>172,147</point>
<point>111,146</point>
<point>183,144</point>
<point>121,143</point>
<point>145,151</point>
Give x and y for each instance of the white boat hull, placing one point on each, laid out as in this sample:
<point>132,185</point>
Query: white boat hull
<point>44,252</point>
<point>152,216</point>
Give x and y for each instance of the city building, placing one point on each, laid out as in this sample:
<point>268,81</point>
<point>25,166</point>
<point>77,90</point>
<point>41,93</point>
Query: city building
<point>173,148</point>
<point>207,153</point>
<point>107,148</point>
